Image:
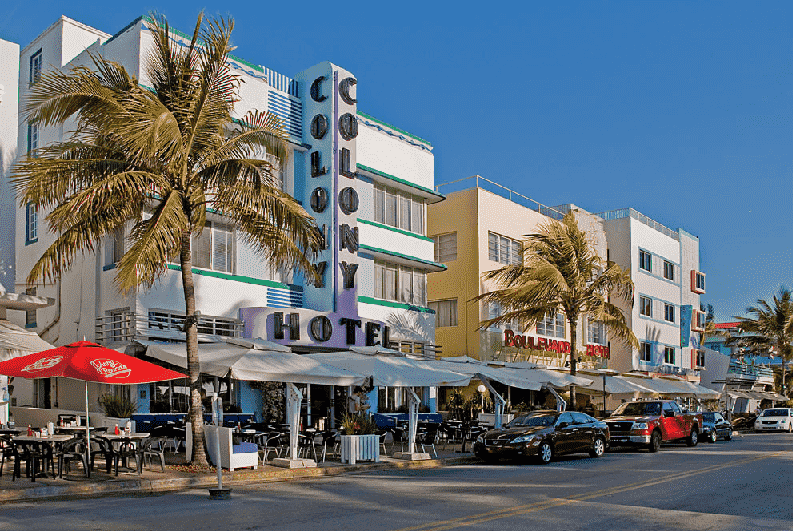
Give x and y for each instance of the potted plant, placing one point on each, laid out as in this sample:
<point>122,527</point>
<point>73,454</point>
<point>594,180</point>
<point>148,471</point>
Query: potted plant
<point>118,410</point>
<point>359,441</point>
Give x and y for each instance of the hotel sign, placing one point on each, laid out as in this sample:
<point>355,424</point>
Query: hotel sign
<point>511,339</point>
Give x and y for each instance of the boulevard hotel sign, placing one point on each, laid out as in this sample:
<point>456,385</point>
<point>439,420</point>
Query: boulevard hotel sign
<point>511,339</point>
<point>325,179</point>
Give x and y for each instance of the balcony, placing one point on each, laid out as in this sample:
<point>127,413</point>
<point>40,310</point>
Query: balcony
<point>741,372</point>
<point>125,326</point>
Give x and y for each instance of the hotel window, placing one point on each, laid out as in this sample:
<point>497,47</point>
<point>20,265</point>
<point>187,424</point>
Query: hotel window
<point>697,282</point>
<point>669,312</point>
<point>669,355</point>
<point>552,325</point>
<point>400,284</point>
<point>596,332</point>
<point>114,246</point>
<point>645,352</point>
<point>669,270</point>
<point>645,306</point>
<point>33,138</point>
<point>398,209</point>
<point>213,248</point>
<point>35,67</point>
<point>445,312</point>
<point>31,223</point>
<point>503,250</point>
<point>645,260</point>
<point>700,358</point>
<point>445,247</point>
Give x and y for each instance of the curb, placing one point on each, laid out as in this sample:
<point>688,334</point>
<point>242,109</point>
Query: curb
<point>152,486</point>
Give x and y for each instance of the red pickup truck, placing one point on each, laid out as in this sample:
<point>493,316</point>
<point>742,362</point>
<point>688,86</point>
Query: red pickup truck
<point>648,423</point>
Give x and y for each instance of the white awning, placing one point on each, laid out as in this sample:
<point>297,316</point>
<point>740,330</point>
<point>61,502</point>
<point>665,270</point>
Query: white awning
<point>615,385</point>
<point>16,341</point>
<point>392,371</point>
<point>549,377</point>
<point>466,365</point>
<point>673,387</point>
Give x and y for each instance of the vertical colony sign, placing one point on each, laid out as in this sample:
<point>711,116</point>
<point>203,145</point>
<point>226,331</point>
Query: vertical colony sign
<point>333,127</point>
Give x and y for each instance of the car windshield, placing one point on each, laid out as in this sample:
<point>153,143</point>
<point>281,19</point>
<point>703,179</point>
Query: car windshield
<point>533,420</point>
<point>709,416</point>
<point>639,409</point>
<point>775,413</point>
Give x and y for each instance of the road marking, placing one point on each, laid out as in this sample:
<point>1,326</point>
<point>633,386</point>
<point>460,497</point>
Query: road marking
<point>444,525</point>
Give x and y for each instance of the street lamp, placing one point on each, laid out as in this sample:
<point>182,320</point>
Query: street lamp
<point>482,390</point>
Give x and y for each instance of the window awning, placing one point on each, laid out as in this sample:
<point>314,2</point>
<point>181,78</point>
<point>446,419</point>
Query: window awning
<point>401,259</point>
<point>473,367</point>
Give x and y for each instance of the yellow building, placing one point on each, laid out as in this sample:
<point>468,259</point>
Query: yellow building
<point>476,231</point>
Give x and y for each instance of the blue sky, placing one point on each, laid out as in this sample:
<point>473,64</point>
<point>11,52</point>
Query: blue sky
<point>681,110</point>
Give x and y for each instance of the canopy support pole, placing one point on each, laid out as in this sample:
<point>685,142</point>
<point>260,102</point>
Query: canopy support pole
<point>293,400</point>
<point>561,405</point>
<point>413,419</point>
<point>87,432</point>
<point>499,401</point>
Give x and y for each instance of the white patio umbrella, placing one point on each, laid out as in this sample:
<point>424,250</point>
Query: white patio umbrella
<point>395,372</point>
<point>15,341</point>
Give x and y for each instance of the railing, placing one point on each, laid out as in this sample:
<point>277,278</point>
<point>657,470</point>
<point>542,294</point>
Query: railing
<point>126,326</point>
<point>740,371</point>
<point>629,212</point>
<point>503,191</point>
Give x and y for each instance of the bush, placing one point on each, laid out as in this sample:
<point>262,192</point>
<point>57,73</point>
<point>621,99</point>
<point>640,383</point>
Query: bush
<point>359,424</point>
<point>117,406</point>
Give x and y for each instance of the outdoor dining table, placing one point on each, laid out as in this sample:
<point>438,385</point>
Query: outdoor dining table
<point>52,441</point>
<point>10,431</point>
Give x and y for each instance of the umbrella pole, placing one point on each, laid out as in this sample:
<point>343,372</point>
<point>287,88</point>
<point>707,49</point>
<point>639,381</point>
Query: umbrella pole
<point>87,432</point>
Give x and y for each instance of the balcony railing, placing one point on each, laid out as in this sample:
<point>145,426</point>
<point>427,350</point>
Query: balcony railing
<point>126,326</point>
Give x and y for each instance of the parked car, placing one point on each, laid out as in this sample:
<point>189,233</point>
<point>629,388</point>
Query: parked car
<point>714,425</point>
<point>648,423</point>
<point>780,418</point>
<point>545,434</point>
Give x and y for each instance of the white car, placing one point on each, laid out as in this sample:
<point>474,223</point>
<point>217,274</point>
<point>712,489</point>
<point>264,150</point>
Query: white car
<point>779,418</point>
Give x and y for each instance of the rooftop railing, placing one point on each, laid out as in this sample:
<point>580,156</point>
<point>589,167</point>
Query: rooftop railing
<point>629,212</point>
<point>500,190</point>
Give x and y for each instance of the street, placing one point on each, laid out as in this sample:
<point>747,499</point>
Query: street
<point>745,484</point>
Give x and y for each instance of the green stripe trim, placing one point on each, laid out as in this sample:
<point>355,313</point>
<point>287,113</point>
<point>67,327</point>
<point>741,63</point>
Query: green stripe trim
<point>400,231</point>
<point>391,304</point>
<point>401,181</point>
<point>400,255</point>
<point>372,118</point>
<point>238,278</point>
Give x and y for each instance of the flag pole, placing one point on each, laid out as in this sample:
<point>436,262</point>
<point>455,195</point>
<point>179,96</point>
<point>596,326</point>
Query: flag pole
<point>87,432</point>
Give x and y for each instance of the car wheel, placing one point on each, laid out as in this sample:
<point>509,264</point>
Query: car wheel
<point>693,439</point>
<point>728,437</point>
<point>544,453</point>
<point>655,441</point>
<point>790,427</point>
<point>598,447</point>
<point>486,457</point>
<point>712,437</point>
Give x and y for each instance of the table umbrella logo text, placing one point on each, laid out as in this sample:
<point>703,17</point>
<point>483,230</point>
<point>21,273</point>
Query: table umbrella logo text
<point>43,364</point>
<point>111,368</point>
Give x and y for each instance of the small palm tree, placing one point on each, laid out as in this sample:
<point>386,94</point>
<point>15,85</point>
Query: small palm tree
<point>769,328</point>
<point>560,270</point>
<point>159,158</point>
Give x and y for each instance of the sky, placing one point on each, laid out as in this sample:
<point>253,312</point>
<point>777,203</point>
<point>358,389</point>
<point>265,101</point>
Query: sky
<point>680,110</point>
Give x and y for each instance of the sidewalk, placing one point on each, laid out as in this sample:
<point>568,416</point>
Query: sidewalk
<point>178,476</point>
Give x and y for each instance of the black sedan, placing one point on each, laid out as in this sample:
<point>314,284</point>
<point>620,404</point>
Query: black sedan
<point>543,434</point>
<point>714,426</point>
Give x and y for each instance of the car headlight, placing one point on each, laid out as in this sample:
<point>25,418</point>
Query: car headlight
<point>481,438</point>
<point>525,439</point>
<point>639,425</point>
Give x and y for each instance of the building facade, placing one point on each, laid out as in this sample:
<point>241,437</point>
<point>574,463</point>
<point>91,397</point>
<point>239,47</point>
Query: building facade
<point>9,103</point>
<point>366,182</point>
<point>480,229</point>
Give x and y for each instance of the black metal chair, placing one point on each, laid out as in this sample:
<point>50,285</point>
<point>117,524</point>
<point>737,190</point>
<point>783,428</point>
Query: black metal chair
<point>72,450</point>
<point>151,447</point>
<point>127,449</point>
<point>7,451</point>
<point>38,458</point>
<point>104,448</point>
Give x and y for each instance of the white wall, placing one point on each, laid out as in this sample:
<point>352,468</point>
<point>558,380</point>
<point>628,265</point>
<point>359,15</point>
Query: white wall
<point>9,99</point>
<point>389,154</point>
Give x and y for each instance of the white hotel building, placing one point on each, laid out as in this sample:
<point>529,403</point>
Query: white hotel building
<point>337,153</point>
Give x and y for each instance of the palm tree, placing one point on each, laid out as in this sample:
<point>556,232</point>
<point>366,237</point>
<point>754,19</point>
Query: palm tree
<point>561,270</point>
<point>159,158</point>
<point>769,328</point>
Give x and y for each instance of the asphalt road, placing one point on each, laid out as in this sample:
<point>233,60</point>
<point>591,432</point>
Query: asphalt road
<point>745,484</point>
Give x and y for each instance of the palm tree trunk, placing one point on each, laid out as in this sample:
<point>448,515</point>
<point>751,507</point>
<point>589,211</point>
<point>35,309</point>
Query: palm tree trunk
<point>195,416</point>
<point>573,361</point>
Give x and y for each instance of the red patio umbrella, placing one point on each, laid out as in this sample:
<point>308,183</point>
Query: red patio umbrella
<point>89,362</point>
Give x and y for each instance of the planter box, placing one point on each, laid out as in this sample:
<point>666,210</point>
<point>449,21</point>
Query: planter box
<point>360,448</point>
<point>489,419</point>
